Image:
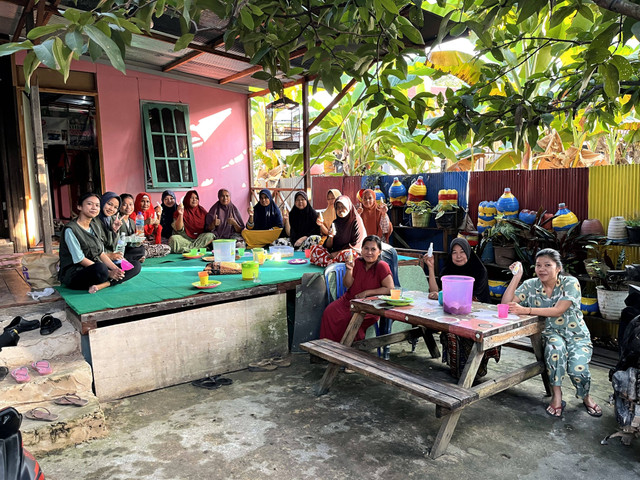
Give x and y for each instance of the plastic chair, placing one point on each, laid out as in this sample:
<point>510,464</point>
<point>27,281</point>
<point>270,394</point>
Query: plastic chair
<point>389,255</point>
<point>337,270</point>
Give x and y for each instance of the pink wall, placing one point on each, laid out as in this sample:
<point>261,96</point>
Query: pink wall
<point>218,128</point>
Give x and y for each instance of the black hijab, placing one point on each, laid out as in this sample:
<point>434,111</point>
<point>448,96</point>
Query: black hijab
<point>473,268</point>
<point>266,218</point>
<point>303,222</point>
<point>166,219</point>
<point>106,221</point>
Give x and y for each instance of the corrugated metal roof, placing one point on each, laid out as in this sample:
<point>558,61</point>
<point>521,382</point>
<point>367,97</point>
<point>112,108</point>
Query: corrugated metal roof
<point>533,189</point>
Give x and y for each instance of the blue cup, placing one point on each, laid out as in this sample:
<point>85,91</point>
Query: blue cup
<point>440,297</point>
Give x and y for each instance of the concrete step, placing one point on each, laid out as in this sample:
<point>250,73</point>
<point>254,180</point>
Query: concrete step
<point>33,346</point>
<point>71,374</point>
<point>74,425</point>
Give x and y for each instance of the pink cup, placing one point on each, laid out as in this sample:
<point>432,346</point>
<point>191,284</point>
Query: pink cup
<point>503,310</point>
<point>307,252</point>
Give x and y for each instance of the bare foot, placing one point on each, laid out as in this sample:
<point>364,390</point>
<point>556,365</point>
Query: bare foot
<point>142,259</point>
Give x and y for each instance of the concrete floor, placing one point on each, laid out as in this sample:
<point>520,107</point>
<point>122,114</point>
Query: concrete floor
<point>271,425</point>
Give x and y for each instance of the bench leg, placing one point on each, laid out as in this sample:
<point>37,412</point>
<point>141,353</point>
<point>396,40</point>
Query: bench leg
<point>347,339</point>
<point>450,421</point>
<point>536,343</point>
<point>431,343</point>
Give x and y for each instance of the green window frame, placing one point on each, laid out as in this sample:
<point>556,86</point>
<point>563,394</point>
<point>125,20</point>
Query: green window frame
<point>168,149</point>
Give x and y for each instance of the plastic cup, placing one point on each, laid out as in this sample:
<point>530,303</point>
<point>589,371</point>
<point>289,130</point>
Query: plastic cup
<point>204,278</point>
<point>503,310</point>
<point>202,251</point>
<point>307,252</point>
<point>396,293</point>
<point>193,251</point>
<point>240,252</point>
<point>440,297</point>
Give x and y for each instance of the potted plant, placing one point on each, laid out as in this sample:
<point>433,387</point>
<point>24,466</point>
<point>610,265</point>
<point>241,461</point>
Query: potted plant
<point>420,213</point>
<point>503,239</point>
<point>612,288</point>
<point>448,216</point>
<point>633,229</point>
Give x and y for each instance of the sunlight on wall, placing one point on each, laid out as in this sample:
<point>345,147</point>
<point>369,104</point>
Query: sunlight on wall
<point>206,182</point>
<point>201,132</point>
<point>32,222</point>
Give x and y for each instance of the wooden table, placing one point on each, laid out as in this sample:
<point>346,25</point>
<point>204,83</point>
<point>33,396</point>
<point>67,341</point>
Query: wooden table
<point>482,326</point>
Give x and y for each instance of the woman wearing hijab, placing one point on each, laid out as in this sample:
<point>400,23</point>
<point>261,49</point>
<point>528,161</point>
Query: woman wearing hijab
<point>462,261</point>
<point>152,227</point>
<point>169,207</point>
<point>189,225</point>
<point>374,216</point>
<point>345,238</point>
<point>108,224</point>
<point>329,215</point>
<point>224,218</point>
<point>301,225</point>
<point>134,252</point>
<point>264,224</point>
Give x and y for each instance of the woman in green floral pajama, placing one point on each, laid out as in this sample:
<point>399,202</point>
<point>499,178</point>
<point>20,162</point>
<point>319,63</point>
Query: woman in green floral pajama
<point>567,343</point>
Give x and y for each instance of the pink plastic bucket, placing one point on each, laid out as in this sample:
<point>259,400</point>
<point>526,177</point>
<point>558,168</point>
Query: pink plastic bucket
<point>457,294</point>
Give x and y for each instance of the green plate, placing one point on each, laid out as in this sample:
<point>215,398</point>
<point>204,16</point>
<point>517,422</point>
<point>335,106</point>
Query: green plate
<point>401,302</point>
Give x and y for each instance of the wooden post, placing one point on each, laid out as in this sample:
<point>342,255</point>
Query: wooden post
<point>41,167</point>
<point>306,150</point>
<point>250,148</point>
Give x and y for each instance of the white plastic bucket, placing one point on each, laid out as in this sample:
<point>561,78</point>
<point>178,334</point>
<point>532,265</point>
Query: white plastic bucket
<point>224,250</point>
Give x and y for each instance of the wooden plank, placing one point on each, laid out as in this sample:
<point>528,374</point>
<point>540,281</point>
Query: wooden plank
<point>431,343</point>
<point>389,339</point>
<point>506,337</point>
<point>493,386</point>
<point>449,395</point>
<point>152,353</point>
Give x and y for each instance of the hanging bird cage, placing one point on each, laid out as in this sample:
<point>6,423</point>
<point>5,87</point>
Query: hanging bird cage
<point>282,125</point>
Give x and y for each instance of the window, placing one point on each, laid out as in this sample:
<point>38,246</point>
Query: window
<point>169,153</point>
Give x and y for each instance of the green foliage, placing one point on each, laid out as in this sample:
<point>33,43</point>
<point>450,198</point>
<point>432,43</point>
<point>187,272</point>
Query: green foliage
<point>420,208</point>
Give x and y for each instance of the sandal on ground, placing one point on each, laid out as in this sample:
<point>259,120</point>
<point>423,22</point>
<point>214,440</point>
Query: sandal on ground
<point>593,410</point>
<point>262,366</point>
<point>20,325</point>
<point>49,324</point>
<point>4,371</point>
<point>556,412</point>
<point>212,383</point>
<point>41,413</point>
<point>281,362</point>
<point>42,367</point>
<point>70,399</point>
<point>21,375</point>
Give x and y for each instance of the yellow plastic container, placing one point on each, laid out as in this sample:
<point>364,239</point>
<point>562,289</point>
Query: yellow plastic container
<point>250,270</point>
<point>259,255</point>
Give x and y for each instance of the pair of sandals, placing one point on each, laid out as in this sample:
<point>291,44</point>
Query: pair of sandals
<point>21,374</point>
<point>47,324</point>
<point>269,364</point>
<point>593,410</point>
<point>44,414</point>
<point>212,383</point>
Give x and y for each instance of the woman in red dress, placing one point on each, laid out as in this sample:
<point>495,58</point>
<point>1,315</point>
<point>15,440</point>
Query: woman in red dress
<point>365,277</point>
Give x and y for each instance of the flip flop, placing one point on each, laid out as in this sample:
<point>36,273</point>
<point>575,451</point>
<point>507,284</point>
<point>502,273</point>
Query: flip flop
<point>553,411</point>
<point>49,324</point>
<point>4,371</point>
<point>42,367</point>
<point>41,413</point>
<point>281,362</point>
<point>21,375</point>
<point>212,383</point>
<point>70,399</point>
<point>262,366</point>
<point>594,410</point>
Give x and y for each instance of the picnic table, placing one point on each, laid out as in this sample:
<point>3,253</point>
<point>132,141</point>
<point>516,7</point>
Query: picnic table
<point>482,326</point>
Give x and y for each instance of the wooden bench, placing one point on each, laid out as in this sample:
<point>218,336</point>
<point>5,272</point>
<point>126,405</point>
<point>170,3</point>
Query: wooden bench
<point>446,395</point>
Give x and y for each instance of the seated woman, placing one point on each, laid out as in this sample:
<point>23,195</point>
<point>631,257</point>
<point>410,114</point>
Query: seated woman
<point>189,225</point>
<point>329,214</point>
<point>152,227</point>
<point>264,224</point>
<point>301,225</point>
<point>374,216</point>
<point>108,224</point>
<point>133,251</point>
<point>365,277</point>
<point>169,207</point>
<point>224,218</point>
<point>83,262</point>
<point>462,261</point>
<point>566,338</point>
<point>345,238</point>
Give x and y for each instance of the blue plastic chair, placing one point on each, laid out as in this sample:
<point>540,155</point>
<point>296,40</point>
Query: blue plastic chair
<point>389,255</point>
<point>338,270</point>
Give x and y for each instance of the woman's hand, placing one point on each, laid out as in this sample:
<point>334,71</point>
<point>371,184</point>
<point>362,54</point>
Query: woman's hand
<point>334,254</point>
<point>319,221</point>
<point>116,274</point>
<point>285,215</point>
<point>516,270</point>
<point>117,223</point>
<point>359,210</point>
<point>250,210</point>
<point>518,309</point>
<point>232,221</point>
<point>364,294</point>
<point>158,210</point>
<point>349,263</point>
<point>299,242</point>
<point>433,295</point>
<point>115,256</point>
<point>429,261</point>
<point>180,209</point>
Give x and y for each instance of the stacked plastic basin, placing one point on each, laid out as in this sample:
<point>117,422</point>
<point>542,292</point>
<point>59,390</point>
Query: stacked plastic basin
<point>397,193</point>
<point>417,192</point>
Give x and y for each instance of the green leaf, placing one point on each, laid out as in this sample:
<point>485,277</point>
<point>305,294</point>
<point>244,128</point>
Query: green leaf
<point>132,27</point>
<point>11,48</point>
<point>611,80</point>
<point>46,30</point>
<point>529,8</point>
<point>95,52</point>
<point>74,41</point>
<point>275,85</point>
<point>262,75</point>
<point>506,161</point>
<point>63,55</point>
<point>412,33</point>
<point>72,14</point>
<point>255,60</point>
<point>29,66</point>
<point>247,18</point>
<point>390,6</point>
<point>547,118</point>
<point>375,123</point>
<point>183,41</point>
<point>44,52</point>
<point>635,29</point>
<point>625,70</point>
<point>108,45</point>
